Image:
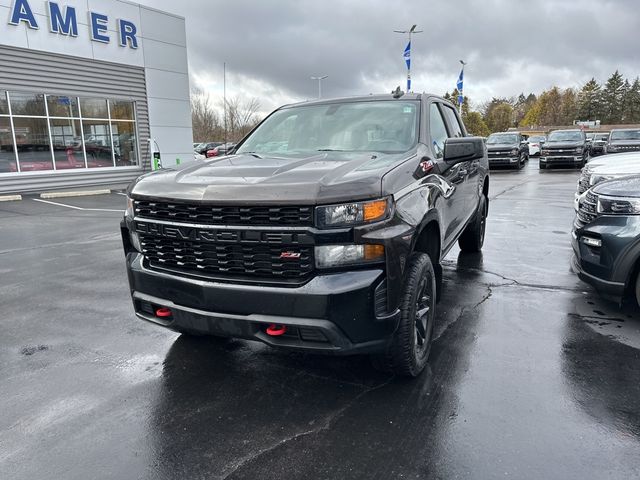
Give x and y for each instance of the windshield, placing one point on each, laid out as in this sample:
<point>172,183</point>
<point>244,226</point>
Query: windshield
<point>567,136</point>
<point>602,136</point>
<point>383,126</point>
<point>502,138</point>
<point>625,135</point>
<point>536,139</point>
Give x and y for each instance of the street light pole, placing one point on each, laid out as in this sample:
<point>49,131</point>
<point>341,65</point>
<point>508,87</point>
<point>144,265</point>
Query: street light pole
<point>411,31</point>
<point>319,79</point>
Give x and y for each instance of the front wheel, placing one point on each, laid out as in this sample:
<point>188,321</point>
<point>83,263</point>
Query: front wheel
<point>638,289</point>
<point>472,238</point>
<point>408,351</point>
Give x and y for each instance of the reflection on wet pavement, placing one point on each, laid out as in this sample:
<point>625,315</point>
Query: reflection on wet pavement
<point>531,375</point>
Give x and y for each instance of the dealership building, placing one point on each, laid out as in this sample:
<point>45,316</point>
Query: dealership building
<point>89,91</point>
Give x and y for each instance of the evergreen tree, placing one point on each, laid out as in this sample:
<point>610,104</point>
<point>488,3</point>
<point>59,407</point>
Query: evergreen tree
<point>569,109</point>
<point>632,102</point>
<point>499,117</point>
<point>475,124</point>
<point>613,99</point>
<point>590,101</point>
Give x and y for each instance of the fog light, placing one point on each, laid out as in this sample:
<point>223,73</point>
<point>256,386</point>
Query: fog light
<point>592,242</point>
<point>328,256</point>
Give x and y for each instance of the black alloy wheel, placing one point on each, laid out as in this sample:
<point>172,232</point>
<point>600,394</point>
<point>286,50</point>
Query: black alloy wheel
<point>409,348</point>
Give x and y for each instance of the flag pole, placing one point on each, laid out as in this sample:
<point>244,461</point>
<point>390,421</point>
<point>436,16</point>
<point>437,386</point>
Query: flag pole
<point>407,52</point>
<point>461,89</point>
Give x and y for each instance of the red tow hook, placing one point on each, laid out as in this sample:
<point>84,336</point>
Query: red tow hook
<point>276,330</point>
<point>163,312</point>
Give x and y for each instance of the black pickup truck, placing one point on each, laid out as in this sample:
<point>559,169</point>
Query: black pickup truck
<point>623,140</point>
<point>566,148</point>
<point>323,231</point>
<point>508,149</point>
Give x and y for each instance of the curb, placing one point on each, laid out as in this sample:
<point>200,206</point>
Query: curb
<point>79,193</point>
<point>10,198</point>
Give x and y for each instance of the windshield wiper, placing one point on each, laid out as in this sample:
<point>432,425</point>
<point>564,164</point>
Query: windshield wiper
<point>329,150</point>
<point>254,154</point>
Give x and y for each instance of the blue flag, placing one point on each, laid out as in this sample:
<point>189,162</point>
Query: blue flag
<point>460,86</point>
<point>407,55</point>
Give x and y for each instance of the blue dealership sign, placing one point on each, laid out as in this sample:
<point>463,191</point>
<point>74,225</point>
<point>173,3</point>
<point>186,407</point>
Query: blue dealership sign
<point>64,21</point>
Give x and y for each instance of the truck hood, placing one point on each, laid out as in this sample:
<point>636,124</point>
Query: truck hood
<point>324,177</point>
<point>625,187</point>
<point>502,146</point>
<point>625,143</point>
<point>561,145</point>
<point>629,168</point>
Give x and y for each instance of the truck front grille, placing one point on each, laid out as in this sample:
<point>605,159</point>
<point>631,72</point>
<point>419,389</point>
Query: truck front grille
<point>499,153</point>
<point>217,260</point>
<point>223,215</point>
<point>562,152</point>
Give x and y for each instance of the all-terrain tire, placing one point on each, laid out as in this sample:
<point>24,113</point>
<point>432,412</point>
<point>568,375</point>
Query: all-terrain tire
<point>409,349</point>
<point>472,238</point>
<point>638,290</point>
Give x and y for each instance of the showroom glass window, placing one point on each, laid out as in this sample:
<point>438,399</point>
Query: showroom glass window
<point>41,132</point>
<point>7,156</point>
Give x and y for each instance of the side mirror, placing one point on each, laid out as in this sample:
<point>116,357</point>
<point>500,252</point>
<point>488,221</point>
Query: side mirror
<point>457,150</point>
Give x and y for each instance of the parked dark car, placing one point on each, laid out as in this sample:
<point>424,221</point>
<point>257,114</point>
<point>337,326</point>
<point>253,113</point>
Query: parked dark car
<point>508,149</point>
<point>324,231</point>
<point>205,147</point>
<point>606,238</point>
<point>565,148</point>
<point>623,140</point>
<point>598,143</point>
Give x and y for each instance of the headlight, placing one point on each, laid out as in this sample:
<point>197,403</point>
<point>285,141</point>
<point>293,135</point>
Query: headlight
<point>544,152</point>
<point>353,213</point>
<point>329,256</point>
<point>129,211</point>
<point>618,205</point>
<point>135,240</point>
<point>579,150</point>
<point>611,148</point>
<point>514,151</point>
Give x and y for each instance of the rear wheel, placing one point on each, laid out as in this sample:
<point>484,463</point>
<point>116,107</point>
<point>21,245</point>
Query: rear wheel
<point>472,239</point>
<point>410,346</point>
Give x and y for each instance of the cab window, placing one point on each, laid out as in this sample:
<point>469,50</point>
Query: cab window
<point>437,130</point>
<point>454,123</point>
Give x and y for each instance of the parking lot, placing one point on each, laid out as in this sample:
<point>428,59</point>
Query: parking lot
<point>531,376</point>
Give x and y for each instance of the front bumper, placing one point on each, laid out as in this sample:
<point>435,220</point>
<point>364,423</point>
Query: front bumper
<point>569,160</point>
<point>607,267</point>
<point>503,161</point>
<point>332,313</point>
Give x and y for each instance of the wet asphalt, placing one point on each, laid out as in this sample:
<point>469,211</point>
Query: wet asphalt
<point>532,376</point>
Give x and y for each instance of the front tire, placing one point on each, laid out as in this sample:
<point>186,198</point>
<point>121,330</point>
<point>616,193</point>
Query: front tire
<point>638,290</point>
<point>410,345</point>
<point>472,238</point>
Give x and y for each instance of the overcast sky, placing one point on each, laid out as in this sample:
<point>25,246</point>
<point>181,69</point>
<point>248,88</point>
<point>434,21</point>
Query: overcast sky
<point>272,47</point>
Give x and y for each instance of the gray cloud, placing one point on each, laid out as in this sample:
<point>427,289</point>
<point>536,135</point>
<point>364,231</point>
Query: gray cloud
<point>272,48</point>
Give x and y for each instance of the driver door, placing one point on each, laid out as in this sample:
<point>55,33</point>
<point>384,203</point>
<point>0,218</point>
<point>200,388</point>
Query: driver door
<point>454,214</point>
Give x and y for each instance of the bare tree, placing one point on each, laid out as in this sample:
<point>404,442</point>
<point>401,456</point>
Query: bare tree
<point>205,118</point>
<point>241,117</point>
